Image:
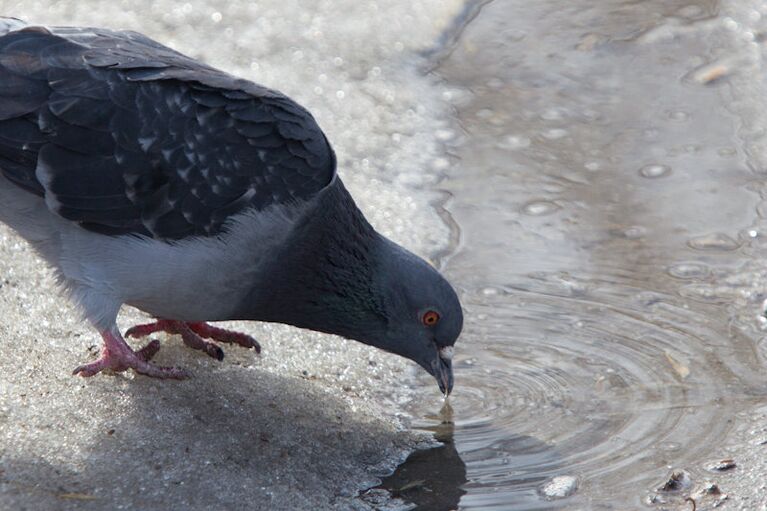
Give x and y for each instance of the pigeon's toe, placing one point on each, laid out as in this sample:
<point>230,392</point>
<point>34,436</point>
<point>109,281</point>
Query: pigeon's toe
<point>196,342</point>
<point>223,335</point>
<point>92,368</point>
<point>194,335</point>
<point>117,356</point>
<point>150,350</point>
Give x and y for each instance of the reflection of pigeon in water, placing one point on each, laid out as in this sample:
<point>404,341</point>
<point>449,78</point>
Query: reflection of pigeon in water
<point>147,178</point>
<point>431,478</point>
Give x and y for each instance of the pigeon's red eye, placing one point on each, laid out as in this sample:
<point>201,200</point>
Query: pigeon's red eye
<point>430,318</point>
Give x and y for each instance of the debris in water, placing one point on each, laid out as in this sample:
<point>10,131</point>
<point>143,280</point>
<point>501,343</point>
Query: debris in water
<point>710,74</point>
<point>677,481</point>
<point>682,370</point>
<point>560,487</point>
<point>711,489</point>
<point>713,241</point>
<point>722,465</point>
<point>711,493</point>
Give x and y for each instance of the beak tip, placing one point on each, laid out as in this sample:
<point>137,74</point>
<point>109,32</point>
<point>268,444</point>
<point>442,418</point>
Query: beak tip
<point>441,367</point>
<point>445,382</point>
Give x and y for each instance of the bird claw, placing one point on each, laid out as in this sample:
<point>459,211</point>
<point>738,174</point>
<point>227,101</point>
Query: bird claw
<point>117,356</point>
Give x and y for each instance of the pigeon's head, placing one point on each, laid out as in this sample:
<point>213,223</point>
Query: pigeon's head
<point>424,316</point>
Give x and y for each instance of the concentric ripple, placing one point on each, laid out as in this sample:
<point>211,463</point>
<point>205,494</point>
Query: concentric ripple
<point>611,393</point>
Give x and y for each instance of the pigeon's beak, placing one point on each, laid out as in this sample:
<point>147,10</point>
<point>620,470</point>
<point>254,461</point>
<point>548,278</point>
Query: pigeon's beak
<point>442,370</point>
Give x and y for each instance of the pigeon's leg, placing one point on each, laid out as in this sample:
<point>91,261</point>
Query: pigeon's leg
<point>117,356</point>
<point>222,335</point>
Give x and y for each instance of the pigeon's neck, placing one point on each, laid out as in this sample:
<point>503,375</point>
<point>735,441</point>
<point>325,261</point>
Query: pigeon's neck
<point>325,278</point>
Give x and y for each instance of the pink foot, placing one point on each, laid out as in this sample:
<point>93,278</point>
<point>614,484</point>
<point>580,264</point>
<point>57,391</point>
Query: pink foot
<point>117,356</point>
<point>193,333</point>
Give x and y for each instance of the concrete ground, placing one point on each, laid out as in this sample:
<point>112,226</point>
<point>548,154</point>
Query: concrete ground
<point>314,418</point>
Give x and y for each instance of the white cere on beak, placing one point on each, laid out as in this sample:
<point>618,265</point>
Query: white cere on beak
<point>446,353</point>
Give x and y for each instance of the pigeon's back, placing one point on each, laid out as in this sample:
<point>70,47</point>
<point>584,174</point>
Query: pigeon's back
<point>122,135</point>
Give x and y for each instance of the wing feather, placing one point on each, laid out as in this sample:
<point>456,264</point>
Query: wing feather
<point>124,135</point>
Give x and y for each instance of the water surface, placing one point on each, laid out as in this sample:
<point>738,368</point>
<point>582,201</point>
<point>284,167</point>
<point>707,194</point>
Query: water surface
<point>606,192</point>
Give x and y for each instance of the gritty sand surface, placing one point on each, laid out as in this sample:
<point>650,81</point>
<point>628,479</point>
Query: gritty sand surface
<point>312,420</point>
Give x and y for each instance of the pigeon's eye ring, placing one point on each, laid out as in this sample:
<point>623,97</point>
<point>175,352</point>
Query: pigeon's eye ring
<point>430,318</point>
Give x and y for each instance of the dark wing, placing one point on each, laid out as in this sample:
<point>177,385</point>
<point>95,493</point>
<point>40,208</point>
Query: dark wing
<point>124,135</point>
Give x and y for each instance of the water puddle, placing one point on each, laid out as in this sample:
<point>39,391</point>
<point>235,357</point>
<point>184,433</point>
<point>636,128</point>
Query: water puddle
<point>608,254</point>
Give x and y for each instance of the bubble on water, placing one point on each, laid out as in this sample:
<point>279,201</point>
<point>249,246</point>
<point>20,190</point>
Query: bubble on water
<point>692,148</point>
<point>484,113</point>
<point>713,241</point>
<point>516,142</point>
<point>678,115</point>
<point>654,170</point>
<point>440,164</point>
<point>552,114</point>
<point>555,134</point>
<point>592,166</point>
<point>670,446</point>
<point>688,270</point>
<point>444,135</point>
<point>216,17</point>
<point>634,232</point>
<point>540,208</point>
<point>727,152</point>
<point>650,133</point>
<point>730,24</point>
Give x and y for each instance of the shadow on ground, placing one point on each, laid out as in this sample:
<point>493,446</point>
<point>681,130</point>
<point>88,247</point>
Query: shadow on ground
<point>229,438</point>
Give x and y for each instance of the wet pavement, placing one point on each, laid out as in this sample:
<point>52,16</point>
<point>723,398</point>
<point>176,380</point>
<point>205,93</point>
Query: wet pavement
<point>607,186</point>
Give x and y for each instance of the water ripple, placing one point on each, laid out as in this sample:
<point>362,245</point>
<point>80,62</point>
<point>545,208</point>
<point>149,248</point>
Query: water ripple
<point>610,391</point>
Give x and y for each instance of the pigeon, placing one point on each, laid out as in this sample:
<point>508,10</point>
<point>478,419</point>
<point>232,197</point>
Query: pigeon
<point>146,178</point>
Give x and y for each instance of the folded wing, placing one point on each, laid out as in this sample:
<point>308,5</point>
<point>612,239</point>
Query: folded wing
<point>124,135</point>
